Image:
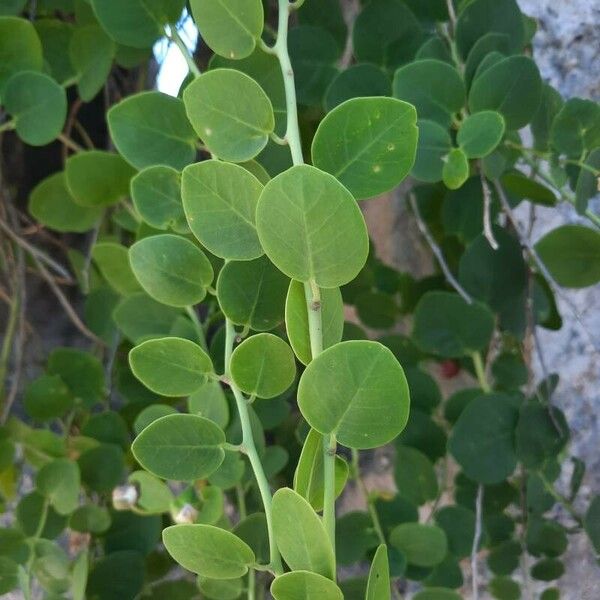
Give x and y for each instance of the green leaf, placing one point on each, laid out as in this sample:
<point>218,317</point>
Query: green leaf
<point>171,269</point>
<point>576,128</point>
<point>117,576</point>
<point>378,585</point>
<point>434,87</point>
<point>102,467</point>
<point>150,414</point>
<point>313,54</point>
<point>446,325</point>
<point>210,401</point>
<point>152,128</point>
<point>456,169</point>
<point>140,317</point>
<point>308,477</point>
<point>82,372</point>
<point>434,145</point>
<point>300,534</point>
<point>368,144</point>
<point>572,255</point>
<point>220,589</point>
<point>252,293</point>
<point>265,69</point>
<point>591,523</point>
<point>482,440</point>
<point>481,17</point>
<point>90,519</point>
<point>170,366</point>
<point>304,585</point>
<point>97,178</point>
<point>20,48</point>
<point>220,201</point>
<point>520,186</point>
<point>548,569</point>
<point>231,113</point>
<point>58,481</point>
<point>505,588</point>
<point>296,319</point>
<point>512,87</point>
<point>356,391</point>
<point>327,14</point>
<point>92,53</point>
<point>156,195</point>
<point>383,25</point>
<point>357,81</point>
<point>138,24</point>
<point>112,260</point>
<point>480,134</point>
<point>490,43</point>
<point>587,182</point>
<point>180,447</point>
<point>51,204</point>
<point>155,497</point>
<point>229,27</point>
<point>415,476</point>
<point>423,545</point>
<point>437,593</point>
<point>38,106</point>
<point>55,36</point>
<point>354,537</point>
<point>459,524</point>
<point>310,226</point>
<point>208,551</point>
<point>263,366</point>
<point>47,398</point>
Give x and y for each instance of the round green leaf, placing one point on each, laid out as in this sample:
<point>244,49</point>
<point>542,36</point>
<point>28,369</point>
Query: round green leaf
<point>481,17</point>
<point>415,476</point>
<point>97,178</point>
<point>480,134</point>
<point>311,227</point>
<point>437,593</point>
<point>576,128</point>
<point>152,128</point>
<point>58,481</point>
<point>117,575</point>
<point>20,48</point>
<point>357,391</point>
<point>456,169</point>
<point>229,27</point>
<point>113,262</point>
<point>434,87</point>
<point>423,545</point>
<point>231,113</point>
<point>505,588</point>
<point>156,195</point>
<point>300,534</point>
<point>459,524</point>
<point>138,24</point>
<point>446,325</point>
<point>52,205</point>
<point>296,319</point>
<point>252,293</point>
<point>102,467</point>
<point>150,414</point>
<point>263,366</point>
<point>90,519</point>
<point>170,366</point>
<point>47,398</point>
<point>434,145</point>
<point>38,106</point>
<point>304,585</point>
<point>180,447</point>
<point>572,255</point>
<point>208,551</point>
<point>512,87</point>
<point>91,52</point>
<point>357,81</point>
<point>171,269</point>
<point>368,144</point>
<point>482,440</point>
<point>591,522</point>
<point>155,497</point>
<point>55,36</point>
<point>220,589</point>
<point>220,201</point>
<point>496,43</point>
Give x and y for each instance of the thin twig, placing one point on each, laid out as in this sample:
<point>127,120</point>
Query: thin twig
<point>540,264</point>
<point>33,251</point>
<point>73,316</point>
<point>69,143</point>
<point>476,540</point>
<point>438,252</point>
<point>488,232</point>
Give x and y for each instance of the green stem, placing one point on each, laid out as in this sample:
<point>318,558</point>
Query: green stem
<point>174,36</point>
<point>480,372</point>
<point>8,126</point>
<point>561,499</point>
<point>241,500</point>
<point>249,448</point>
<point>312,293</point>
<point>197,326</point>
<point>7,344</point>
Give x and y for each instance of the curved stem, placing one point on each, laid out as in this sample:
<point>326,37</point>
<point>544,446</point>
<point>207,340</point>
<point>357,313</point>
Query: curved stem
<point>249,448</point>
<point>174,36</point>
<point>480,372</point>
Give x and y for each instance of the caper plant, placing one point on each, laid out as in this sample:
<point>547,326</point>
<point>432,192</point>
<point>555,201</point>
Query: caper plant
<point>199,448</point>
